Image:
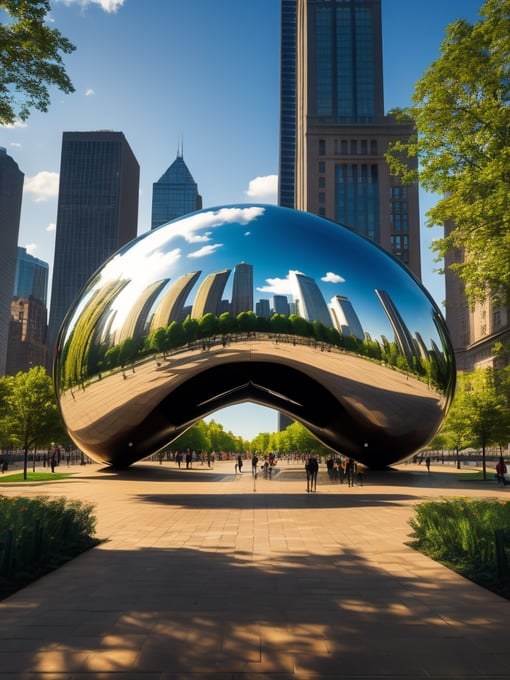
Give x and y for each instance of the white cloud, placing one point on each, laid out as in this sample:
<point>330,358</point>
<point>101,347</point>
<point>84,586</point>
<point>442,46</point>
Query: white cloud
<point>43,186</point>
<point>16,145</point>
<point>31,248</point>
<point>16,124</point>
<point>277,286</point>
<point>206,250</point>
<point>333,278</point>
<point>90,92</point>
<point>110,6</point>
<point>263,189</point>
<point>51,227</point>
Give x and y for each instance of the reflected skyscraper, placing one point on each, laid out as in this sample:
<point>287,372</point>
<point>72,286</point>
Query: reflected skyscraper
<point>308,298</point>
<point>345,319</point>
<point>11,191</point>
<point>209,294</point>
<point>403,337</point>
<point>281,304</point>
<point>333,130</point>
<point>97,212</point>
<point>171,306</point>
<point>242,289</point>
<point>174,194</point>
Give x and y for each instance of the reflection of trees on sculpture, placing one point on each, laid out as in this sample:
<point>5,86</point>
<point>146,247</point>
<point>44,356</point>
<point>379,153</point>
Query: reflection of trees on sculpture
<point>83,350</point>
<point>428,365</point>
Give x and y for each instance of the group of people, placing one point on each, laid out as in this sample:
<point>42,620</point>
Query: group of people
<point>267,465</point>
<point>345,470</point>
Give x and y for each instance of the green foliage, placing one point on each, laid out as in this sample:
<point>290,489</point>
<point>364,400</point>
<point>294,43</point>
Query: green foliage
<point>30,417</point>
<point>479,414</point>
<point>461,534</point>
<point>461,113</point>
<point>30,59</point>
<point>39,534</point>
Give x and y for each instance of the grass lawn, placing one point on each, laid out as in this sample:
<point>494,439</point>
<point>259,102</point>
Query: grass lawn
<point>477,476</point>
<point>17,477</point>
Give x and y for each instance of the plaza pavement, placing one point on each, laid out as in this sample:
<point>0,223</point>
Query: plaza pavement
<point>206,575</point>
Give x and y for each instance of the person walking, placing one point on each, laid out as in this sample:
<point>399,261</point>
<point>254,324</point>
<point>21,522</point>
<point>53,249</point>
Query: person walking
<point>501,471</point>
<point>312,469</point>
<point>240,464</point>
<point>254,463</point>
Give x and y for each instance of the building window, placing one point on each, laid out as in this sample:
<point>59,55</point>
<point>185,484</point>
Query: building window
<point>322,182</point>
<point>496,319</point>
<point>322,147</point>
<point>322,167</point>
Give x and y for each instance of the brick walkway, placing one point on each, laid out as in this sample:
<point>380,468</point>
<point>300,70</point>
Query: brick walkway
<point>206,576</point>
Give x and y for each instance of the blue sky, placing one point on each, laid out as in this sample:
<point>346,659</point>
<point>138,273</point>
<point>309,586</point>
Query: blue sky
<point>201,74</point>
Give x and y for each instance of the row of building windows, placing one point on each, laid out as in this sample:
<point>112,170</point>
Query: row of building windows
<point>351,147</point>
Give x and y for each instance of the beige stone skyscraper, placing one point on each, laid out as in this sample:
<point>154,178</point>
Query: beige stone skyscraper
<point>333,129</point>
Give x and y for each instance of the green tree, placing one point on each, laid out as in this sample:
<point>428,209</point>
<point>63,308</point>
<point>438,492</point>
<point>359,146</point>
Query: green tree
<point>31,418</point>
<point>485,410</point>
<point>456,432</point>
<point>208,325</point>
<point>30,59</point>
<point>195,439</point>
<point>462,117</point>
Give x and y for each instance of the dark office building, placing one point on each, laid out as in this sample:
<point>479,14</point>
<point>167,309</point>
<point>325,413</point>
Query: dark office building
<point>333,130</point>
<point>174,194</point>
<point>97,212</point>
<point>11,192</point>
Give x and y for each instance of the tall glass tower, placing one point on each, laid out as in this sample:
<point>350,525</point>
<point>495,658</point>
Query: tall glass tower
<point>11,191</point>
<point>333,130</point>
<point>174,194</point>
<point>97,213</point>
<point>31,277</point>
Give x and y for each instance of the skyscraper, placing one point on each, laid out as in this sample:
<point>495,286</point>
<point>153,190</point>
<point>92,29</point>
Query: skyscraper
<point>31,276</point>
<point>11,191</point>
<point>333,131</point>
<point>29,316</point>
<point>97,212</point>
<point>174,194</point>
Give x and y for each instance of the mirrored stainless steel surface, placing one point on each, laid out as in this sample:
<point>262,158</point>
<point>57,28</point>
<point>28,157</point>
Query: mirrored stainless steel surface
<point>253,303</point>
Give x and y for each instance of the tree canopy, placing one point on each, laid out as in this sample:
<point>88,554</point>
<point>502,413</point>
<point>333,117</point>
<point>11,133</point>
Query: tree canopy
<point>462,117</point>
<point>30,59</point>
<point>30,416</point>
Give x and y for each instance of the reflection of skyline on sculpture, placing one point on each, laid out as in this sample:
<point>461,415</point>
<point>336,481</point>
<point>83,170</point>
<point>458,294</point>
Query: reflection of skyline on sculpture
<point>197,241</point>
<point>254,303</point>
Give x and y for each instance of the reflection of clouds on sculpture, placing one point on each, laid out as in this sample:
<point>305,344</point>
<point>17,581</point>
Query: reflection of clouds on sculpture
<point>205,251</point>
<point>332,278</point>
<point>177,307</point>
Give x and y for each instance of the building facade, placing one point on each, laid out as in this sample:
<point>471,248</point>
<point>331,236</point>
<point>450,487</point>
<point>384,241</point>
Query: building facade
<point>474,329</point>
<point>97,213</point>
<point>31,278</point>
<point>27,346</point>
<point>11,192</point>
<point>174,194</point>
<point>333,130</point>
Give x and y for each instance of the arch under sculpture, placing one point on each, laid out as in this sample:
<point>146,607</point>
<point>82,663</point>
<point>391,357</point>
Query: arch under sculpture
<point>334,332</point>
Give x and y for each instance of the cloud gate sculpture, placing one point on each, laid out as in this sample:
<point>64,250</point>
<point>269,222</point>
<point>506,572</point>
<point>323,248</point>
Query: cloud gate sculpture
<point>253,303</point>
